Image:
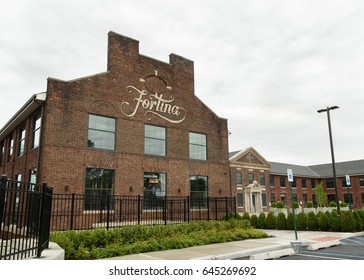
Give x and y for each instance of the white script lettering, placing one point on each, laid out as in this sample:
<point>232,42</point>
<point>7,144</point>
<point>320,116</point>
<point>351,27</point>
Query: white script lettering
<point>155,104</point>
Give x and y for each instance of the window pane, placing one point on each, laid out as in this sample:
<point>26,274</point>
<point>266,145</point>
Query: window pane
<point>101,133</point>
<point>98,184</point>
<point>154,140</point>
<point>154,190</point>
<point>197,146</point>
<point>199,191</point>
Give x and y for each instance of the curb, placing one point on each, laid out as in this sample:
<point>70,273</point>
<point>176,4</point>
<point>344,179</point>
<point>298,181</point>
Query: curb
<point>321,245</point>
<point>246,253</point>
<point>273,254</point>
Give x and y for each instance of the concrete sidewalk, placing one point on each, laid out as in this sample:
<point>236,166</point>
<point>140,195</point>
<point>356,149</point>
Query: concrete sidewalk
<point>278,245</point>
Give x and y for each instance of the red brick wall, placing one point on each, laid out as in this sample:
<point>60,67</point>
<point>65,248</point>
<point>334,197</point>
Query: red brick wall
<point>65,155</point>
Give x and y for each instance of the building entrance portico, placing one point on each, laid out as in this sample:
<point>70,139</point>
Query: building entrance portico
<point>253,198</point>
<point>250,177</point>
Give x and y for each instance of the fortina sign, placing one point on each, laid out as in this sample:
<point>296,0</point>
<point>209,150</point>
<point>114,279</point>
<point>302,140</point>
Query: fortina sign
<point>155,104</point>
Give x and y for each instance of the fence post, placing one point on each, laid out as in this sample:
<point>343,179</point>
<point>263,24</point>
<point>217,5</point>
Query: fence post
<point>72,210</point>
<point>188,209</point>
<point>108,211</point>
<point>44,223</point>
<point>226,208</point>
<point>138,209</point>
<point>208,208</point>
<point>3,182</point>
<point>165,210</point>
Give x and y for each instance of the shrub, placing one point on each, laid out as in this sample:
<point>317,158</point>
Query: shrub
<point>273,204</point>
<point>335,224</point>
<point>296,205</point>
<point>309,204</point>
<point>358,221</point>
<point>361,214</point>
<point>281,221</point>
<point>246,216</point>
<point>323,220</point>
<point>262,221</point>
<point>289,222</point>
<point>312,223</point>
<point>347,221</point>
<point>280,205</point>
<point>343,204</point>
<point>100,243</point>
<point>332,204</point>
<point>271,221</point>
<point>301,221</point>
<point>253,220</point>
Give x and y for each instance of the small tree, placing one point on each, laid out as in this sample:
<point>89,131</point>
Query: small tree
<point>262,221</point>
<point>347,221</point>
<point>281,221</point>
<point>321,196</point>
<point>335,223</point>
<point>271,221</point>
<point>358,221</point>
<point>323,220</point>
<point>246,216</point>
<point>289,223</point>
<point>301,221</point>
<point>312,223</point>
<point>280,205</point>
<point>253,220</point>
<point>309,204</point>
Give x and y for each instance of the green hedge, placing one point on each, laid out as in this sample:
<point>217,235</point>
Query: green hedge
<point>323,221</point>
<point>101,243</point>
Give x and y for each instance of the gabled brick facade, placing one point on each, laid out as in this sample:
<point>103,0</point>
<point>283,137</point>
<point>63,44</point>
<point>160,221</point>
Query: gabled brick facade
<point>135,91</point>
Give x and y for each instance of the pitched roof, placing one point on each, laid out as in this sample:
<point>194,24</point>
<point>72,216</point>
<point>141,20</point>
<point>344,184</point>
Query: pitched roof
<point>279,168</point>
<point>354,167</point>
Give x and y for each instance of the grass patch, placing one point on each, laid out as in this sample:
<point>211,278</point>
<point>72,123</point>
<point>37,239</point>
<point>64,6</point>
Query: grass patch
<point>101,243</point>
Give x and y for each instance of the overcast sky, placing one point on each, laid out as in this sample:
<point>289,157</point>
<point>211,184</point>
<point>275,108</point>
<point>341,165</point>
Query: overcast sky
<point>267,66</point>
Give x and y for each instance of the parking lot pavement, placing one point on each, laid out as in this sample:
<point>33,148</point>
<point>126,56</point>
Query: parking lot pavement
<point>349,249</point>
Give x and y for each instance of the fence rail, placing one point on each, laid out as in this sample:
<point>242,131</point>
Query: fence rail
<point>25,210</point>
<point>80,212</point>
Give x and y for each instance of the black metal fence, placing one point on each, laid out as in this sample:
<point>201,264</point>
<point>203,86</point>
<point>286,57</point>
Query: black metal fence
<point>25,210</point>
<point>80,212</point>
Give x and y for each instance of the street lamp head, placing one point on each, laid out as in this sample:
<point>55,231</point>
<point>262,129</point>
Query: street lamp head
<point>327,109</point>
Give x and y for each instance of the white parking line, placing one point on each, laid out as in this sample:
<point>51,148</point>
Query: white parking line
<point>319,256</point>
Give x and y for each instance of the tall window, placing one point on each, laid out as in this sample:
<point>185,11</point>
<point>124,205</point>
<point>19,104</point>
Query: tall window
<point>264,199</point>
<point>11,148</point>
<point>21,147</point>
<point>36,131</point>
<point>239,178</point>
<point>199,191</point>
<point>330,183</point>
<point>240,200</point>
<point>262,179</point>
<point>251,178</point>
<point>198,146</point>
<point>99,183</point>
<point>361,181</point>
<point>282,181</point>
<point>313,183</point>
<point>101,132</point>
<point>2,151</point>
<point>271,181</point>
<point>154,190</point>
<point>303,183</point>
<point>154,140</point>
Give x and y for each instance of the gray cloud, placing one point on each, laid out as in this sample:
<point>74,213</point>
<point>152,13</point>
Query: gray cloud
<point>266,66</point>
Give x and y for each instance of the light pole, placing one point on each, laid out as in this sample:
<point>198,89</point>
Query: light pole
<point>327,110</point>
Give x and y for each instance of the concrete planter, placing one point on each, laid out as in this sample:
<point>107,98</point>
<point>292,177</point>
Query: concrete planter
<point>308,210</point>
<point>280,210</point>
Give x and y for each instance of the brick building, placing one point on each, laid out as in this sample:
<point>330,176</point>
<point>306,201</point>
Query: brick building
<point>257,182</point>
<point>136,129</point>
